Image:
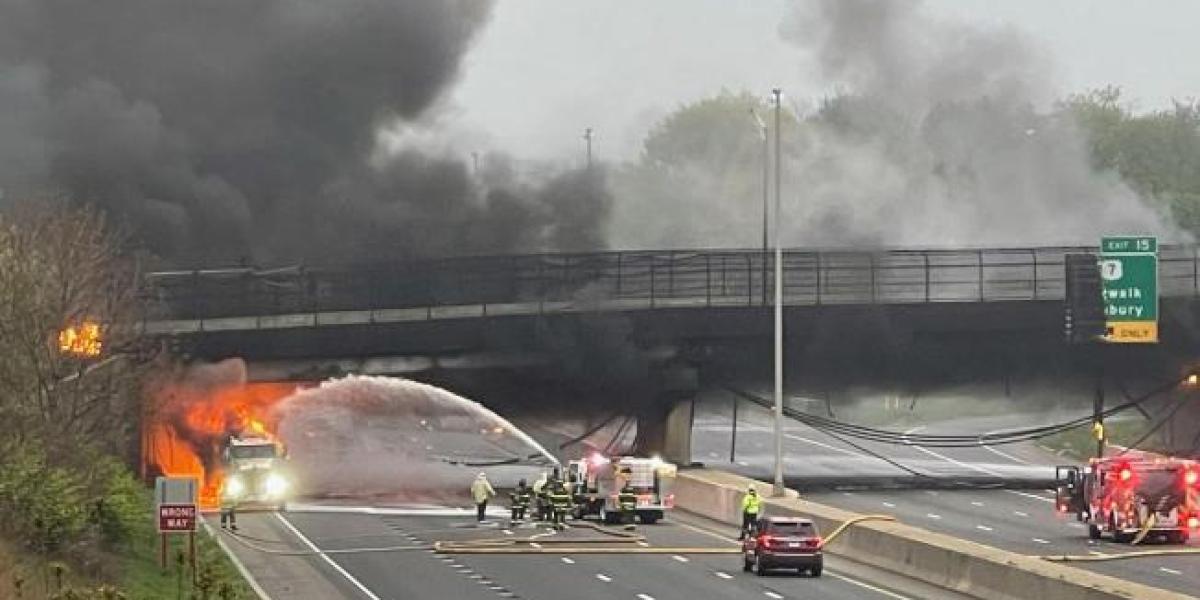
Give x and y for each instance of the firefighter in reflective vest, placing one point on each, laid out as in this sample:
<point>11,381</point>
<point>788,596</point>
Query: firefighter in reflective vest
<point>560,502</point>
<point>627,502</point>
<point>520,501</point>
<point>751,506</point>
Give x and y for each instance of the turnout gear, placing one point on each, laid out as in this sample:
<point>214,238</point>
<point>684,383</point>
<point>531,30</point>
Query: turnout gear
<point>520,501</point>
<point>627,500</point>
<point>560,503</point>
<point>228,509</point>
<point>541,499</point>
<point>751,506</point>
<point>481,491</point>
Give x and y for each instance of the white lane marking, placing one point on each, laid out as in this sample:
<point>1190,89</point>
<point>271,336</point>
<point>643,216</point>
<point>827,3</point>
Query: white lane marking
<point>797,438</point>
<point>534,545</point>
<point>867,586</point>
<point>1006,455</point>
<point>1020,514</point>
<point>742,463</point>
<point>477,576</point>
<point>237,563</point>
<point>848,494</point>
<point>506,531</point>
<point>603,577</point>
<point>984,528</point>
<point>644,544</point>
<point>889,505</point>
<point>773,595</point>
<point>958,463</point>
<point>336,567</point>
<point>933,516</point>
<point>1040,541</point>
<point>679,558</point>
<point>845,578</point>
<point>569,561</point>
<point>976,503</point>
<point>1030,496</point>
<point>645,597</point>
<point>1096,553</point>
<point>1171,571</point>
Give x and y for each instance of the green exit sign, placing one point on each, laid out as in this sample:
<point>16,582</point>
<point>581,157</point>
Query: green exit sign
<point>1129,287</point>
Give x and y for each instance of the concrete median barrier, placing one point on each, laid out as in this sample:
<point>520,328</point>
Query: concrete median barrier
<point>945,561</point>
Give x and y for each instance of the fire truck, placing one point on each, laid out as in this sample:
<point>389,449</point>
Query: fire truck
<point>596,480</point>
<point>1133,498</point>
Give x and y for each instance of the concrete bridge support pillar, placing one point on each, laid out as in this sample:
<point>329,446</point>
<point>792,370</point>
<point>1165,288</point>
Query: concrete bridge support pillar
<point>664,424</point>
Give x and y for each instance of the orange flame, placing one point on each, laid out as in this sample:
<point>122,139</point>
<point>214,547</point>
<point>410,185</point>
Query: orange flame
<point>185,437</point>
<point>83,340</point>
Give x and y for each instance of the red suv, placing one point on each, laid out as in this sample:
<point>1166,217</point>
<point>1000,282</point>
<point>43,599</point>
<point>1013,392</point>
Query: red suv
<point>783,543</point>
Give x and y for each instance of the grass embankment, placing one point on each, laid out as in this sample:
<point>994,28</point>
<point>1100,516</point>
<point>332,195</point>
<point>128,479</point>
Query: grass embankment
<point>1079,444</point>
<point>131,571</point>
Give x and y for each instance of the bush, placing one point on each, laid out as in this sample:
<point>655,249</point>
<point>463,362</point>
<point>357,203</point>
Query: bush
<point>43,506</point>
<point>121,509</point>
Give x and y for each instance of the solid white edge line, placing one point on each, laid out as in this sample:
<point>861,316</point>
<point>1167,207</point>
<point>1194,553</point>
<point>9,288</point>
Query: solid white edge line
<point>1031,496</point>
<point>358,584</point>
<point>237,564</point>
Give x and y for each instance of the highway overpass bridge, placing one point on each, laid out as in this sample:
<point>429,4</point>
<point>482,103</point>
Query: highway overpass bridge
<point>652,323</point>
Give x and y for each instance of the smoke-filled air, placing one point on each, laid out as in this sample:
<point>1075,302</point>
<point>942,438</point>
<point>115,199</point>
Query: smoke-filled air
<point>932,133</point>
<point>226,130</point>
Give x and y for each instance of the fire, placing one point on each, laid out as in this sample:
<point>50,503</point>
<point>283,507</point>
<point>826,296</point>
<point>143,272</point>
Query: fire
<point>83,340</point>
<point>186,436</point>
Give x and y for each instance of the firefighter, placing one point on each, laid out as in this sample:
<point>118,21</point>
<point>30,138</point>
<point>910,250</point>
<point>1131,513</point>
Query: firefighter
<point>541,499</point>
<point>560,503</point>
<point>520,501</point>
<point>751,506</point>
<point>627,501</point>
<point>228,507</point>
<point>481,491</point>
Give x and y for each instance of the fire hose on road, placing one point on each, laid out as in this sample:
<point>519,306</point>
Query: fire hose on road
<point>603,545</point>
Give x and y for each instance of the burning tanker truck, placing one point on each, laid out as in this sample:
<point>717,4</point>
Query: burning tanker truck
<point>265,445</point>
<point>256,473</point>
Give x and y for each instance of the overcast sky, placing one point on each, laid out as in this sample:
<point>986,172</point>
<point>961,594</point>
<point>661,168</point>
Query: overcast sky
<point>543,70</point>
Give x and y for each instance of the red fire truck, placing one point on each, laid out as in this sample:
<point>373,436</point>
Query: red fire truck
<point>1133,498</point>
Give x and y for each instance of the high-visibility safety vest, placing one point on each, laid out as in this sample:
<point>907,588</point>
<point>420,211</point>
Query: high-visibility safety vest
<point>751,503</point>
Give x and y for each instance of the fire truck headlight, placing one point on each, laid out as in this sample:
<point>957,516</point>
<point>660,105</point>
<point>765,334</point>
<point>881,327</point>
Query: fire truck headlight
<point>1190,477</point>
<point>276,485</point>
<point>598,460</point>
<point>234,487</point>
<point>1125,474</point>
<point>1193,523</point>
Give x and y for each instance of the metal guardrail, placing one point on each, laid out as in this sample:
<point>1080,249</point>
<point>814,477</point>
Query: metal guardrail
<point>643,279</point>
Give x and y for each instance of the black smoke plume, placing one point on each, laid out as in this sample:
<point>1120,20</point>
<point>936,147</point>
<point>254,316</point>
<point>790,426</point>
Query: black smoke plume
<point>225,130</point>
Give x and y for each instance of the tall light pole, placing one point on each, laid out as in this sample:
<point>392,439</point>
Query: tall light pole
<point>778,490</point>
<point>766,191</point>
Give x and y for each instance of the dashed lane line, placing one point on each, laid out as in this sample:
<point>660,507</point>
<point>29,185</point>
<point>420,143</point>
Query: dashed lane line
<point>771,594</point>
<point>1040,541</point>
<point>679,558</point>
<point>984,528</point>
<point>603,577</point>
<point>1170,571</point>
<point>723,575</point>
<point>568,560</point>
<point>645,597</point>
<point>933,516</point>
<point>889,505</point>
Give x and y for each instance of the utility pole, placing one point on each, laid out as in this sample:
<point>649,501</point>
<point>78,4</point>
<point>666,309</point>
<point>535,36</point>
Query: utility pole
<point>778,489</point>
<point>766,191</point>
<point>587,137</point>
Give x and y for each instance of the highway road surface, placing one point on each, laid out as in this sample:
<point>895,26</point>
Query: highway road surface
<point>1019,520</point>
<point>360,553</point>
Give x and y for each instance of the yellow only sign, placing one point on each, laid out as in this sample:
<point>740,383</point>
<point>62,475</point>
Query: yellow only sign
<point>1132,331</point>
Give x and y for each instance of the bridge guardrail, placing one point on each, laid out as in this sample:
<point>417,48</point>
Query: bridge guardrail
<point>649,279</point>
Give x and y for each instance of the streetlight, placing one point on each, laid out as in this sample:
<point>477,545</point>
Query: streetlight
<point>778,490</point>
<point>766,185</point>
